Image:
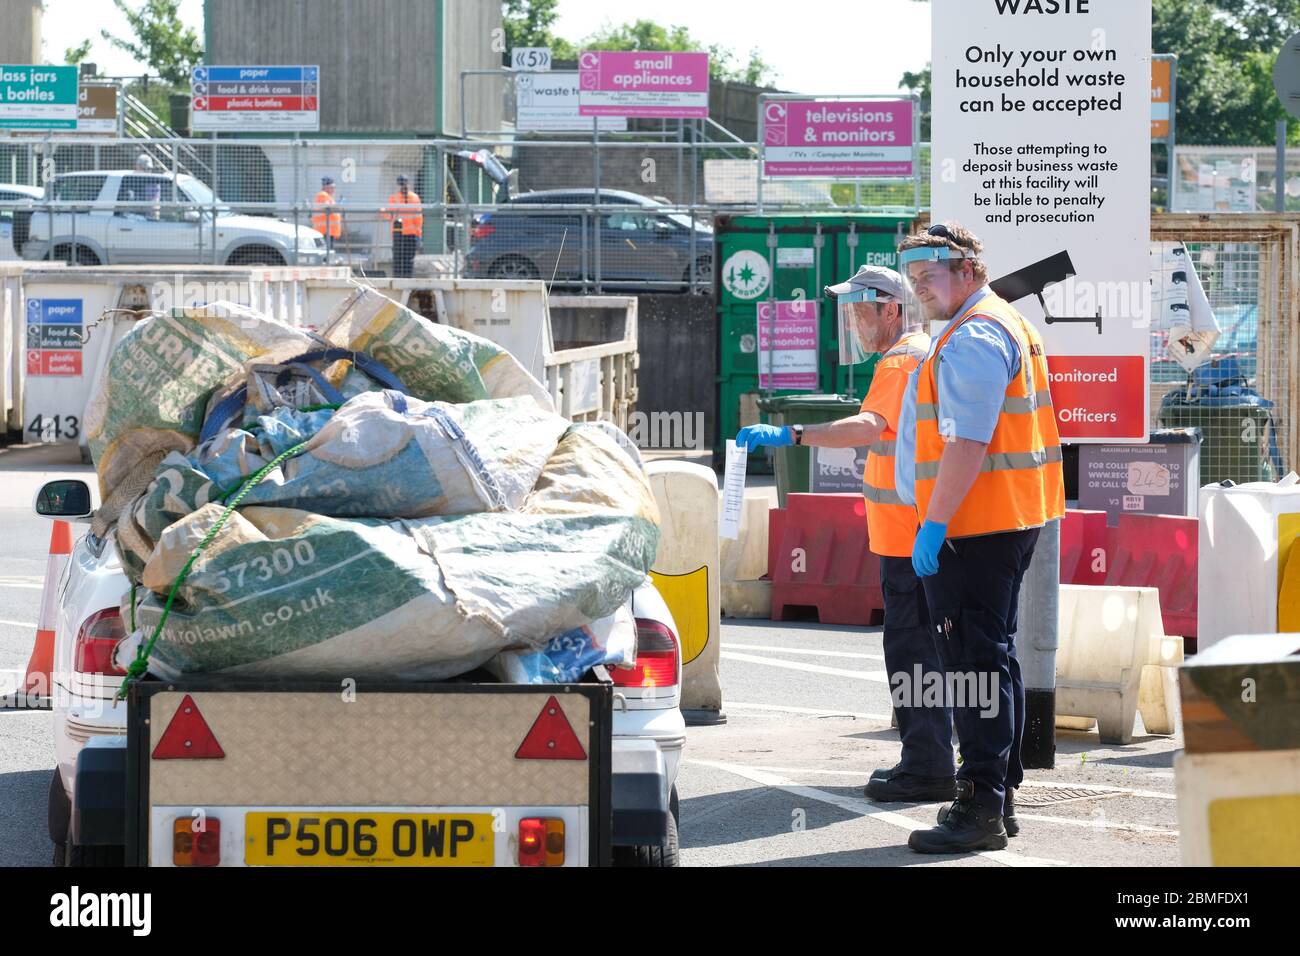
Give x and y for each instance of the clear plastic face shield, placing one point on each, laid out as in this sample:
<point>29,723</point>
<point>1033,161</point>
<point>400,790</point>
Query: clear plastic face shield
<point>929,271</point>
<point>869,322</point>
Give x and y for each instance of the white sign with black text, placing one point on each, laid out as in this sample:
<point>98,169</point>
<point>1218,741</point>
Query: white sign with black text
<point>548,102</point>
<point>1041,147</point>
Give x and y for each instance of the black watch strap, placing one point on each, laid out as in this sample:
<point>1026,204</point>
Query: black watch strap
<point>798,434</point>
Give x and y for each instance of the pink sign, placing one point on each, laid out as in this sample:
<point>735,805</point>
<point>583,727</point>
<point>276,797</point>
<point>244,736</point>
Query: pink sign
<point>838,138</point>
<point>643,83</point>
<point>787,345</point>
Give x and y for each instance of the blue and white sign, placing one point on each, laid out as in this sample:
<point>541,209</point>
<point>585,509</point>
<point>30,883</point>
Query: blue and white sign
<point>259,98</point>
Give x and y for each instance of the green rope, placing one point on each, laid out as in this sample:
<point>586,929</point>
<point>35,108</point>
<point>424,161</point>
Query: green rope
<point>141,662</point>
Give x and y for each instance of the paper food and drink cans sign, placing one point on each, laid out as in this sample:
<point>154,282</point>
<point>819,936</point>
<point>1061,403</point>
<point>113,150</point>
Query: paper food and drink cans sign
<point>838,138</point>
<point>1041,147</point>
<point>787,345</point>
<point>54,329</point>
<point>255,98</point>
<point>655,84</point>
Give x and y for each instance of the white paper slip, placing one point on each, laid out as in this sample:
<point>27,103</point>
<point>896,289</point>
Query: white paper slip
<point>733,491</point>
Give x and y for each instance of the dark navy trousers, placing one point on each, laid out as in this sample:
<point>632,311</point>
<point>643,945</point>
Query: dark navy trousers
<point>911,653</point>
<point>973,601</point>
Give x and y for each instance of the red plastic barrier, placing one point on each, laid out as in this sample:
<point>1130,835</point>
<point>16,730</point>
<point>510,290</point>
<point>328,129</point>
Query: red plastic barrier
<point>818,558</point>
<point>1083,547</point>
<point>1158,551</point>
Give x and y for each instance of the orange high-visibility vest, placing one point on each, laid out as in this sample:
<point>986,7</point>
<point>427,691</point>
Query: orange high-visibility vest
<point>326,221</point>
<point>1020,484</point>
<point>407,210</point>
<point>891,523</point>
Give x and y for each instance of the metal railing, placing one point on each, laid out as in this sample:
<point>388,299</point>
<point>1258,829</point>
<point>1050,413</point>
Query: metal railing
<point>631,212</point>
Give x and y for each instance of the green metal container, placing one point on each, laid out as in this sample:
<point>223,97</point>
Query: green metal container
<point>809,253</point>
<point>1232,439</point>
<point>792,463</point>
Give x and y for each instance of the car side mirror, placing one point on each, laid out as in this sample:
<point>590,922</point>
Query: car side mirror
<point>68,499</point>
<point>192,215</point>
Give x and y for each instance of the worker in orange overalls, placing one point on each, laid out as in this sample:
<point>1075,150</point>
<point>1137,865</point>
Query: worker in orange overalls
<point>325,220</point>
<point>980,456</point>
<point>875,317</point>
<point>403,211</point>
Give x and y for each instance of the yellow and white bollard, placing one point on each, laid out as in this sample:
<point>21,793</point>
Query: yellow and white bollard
<point>1238,780</point>
<point>687,574</point>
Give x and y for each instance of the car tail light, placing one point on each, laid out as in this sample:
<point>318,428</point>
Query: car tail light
<point>656,658</point>
<point>196,842</point>
<point>95,643</point>
<point>541,841</point>
<point>481,231</point>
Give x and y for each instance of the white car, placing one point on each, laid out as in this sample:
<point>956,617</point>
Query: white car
<point>112,217</point>
<point>15,217</point>
<point>87,799</point>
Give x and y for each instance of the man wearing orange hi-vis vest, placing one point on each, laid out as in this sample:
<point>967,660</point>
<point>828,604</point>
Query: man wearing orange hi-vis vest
<point>326,220</point>
<point>876,316</point>
<point>404,213</point>
<point>979,454</point>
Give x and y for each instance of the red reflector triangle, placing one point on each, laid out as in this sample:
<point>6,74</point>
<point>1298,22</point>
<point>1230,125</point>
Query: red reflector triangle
<point>551,737</point>
<point>188,736</point>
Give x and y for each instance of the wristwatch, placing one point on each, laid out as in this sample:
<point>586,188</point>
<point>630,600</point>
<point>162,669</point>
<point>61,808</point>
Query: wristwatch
<point>798,434</point>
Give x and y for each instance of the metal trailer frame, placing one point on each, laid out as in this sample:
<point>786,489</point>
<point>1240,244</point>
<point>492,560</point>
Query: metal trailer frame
<point>140,695</point>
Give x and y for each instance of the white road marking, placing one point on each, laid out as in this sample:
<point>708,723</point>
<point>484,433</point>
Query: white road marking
<point>1109,791</point>
<point>817,711</point>
<point>31,624</point>
<point>1097,824</point>
<point>878,677</point>
<point>727,645</point>
<point>35,582</point>
<point>861,807</point>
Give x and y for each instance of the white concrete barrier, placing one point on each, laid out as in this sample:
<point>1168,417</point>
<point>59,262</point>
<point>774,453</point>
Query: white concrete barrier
<point>744,562</point>
<point>1246,536</point>
<point>686,572</point>
<point>1109,637</point>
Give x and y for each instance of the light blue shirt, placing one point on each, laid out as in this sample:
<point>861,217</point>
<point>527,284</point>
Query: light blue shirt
<point>978,363</point>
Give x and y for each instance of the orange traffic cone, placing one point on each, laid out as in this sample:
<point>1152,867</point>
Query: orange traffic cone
<point>39,680</point>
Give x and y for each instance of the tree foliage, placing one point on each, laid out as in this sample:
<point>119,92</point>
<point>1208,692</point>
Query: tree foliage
<point>75,54</point>
<point>160,39</point>
<point>530,23</point>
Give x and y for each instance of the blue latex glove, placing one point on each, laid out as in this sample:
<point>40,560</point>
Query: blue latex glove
<point>925,552</point>
<point>753,436</point>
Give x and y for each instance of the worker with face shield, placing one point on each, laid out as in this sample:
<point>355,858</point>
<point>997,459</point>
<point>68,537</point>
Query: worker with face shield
<point>980,456</point>
<point>876,315</point>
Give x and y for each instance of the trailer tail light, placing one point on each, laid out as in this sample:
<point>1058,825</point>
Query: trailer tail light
<point>541,841</point>
<point>656,658</point>
<point>98,636</point>
<point>196,842</point>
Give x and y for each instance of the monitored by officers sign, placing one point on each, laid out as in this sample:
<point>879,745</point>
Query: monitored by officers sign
<point>1041,146</point>
<point>228,98</point>
<point>38,97</point>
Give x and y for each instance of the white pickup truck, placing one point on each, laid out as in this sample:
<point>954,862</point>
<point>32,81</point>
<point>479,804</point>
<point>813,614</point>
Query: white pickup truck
<point>469,772</point>
<point>112,217</point>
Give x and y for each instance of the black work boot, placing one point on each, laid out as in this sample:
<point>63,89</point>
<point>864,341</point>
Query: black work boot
<point>966,827</point>
<point>909,788</point>
<point>881,773</point>
<point>1008,813</point>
